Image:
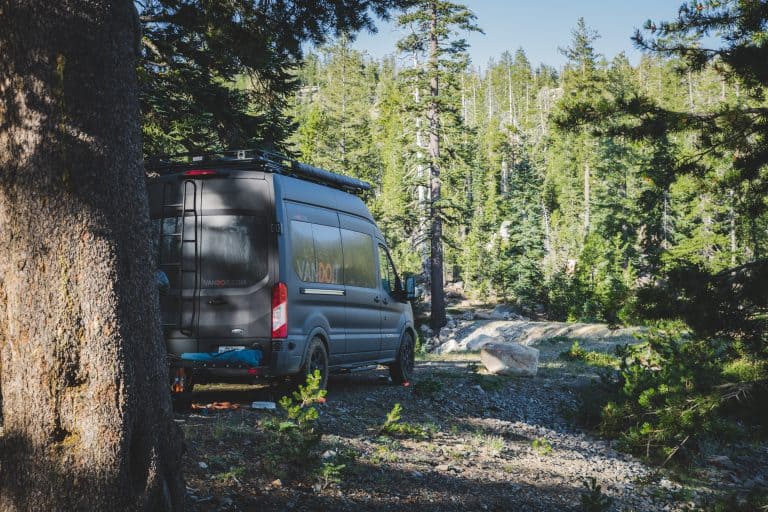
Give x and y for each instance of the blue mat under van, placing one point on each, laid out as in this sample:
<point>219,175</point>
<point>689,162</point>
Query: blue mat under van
<point>250,357</point>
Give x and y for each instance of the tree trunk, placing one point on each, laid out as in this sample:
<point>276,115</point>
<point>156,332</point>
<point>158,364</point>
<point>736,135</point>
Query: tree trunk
<point>436,231</point>
<point>587,199</point>
<point>86,409</point>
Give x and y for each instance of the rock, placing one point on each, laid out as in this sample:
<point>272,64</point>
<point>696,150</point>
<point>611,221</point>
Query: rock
<point>482,315</point>
<point>328,454</point>
<point>425,329</point>
<point>721,461</point>
<point>468,315</point>
<point>503,312</point>
<point>444,333</point>
<point>510,359</point>
<point>454,290</point>
<point>449,346</point>
<point>202,465</point>
<point>478,342</point>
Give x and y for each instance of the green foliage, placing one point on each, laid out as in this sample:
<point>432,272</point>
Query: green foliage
<point>574,353</point>
<point>216,74</point>
<point>599,359</point>
<point>427,387</point>
<point>593,499</point>
<point>292,441</point>
<point>395,426</point>
<point>542,446</point>
<point>588,191</point>
<point>330,474</point>
<point>675,391</point>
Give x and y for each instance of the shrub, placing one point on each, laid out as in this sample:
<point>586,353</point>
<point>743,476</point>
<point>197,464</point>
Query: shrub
<point>394,426</point>
<point>291,442</point>
<point>542,446</point>
<point>593,499</point>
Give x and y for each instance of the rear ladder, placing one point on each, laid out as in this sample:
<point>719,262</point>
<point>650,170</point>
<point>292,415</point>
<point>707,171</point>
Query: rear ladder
<point>180,238</point>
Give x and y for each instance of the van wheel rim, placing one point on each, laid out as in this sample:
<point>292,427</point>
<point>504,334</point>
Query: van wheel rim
<point>407,355</point>
<point>316,362</point>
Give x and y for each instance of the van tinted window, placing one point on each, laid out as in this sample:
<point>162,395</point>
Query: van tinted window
<point>359,261</point>
<point>233,251</point>
<point>316,252</point>
<point>303,251</point>
<point>328,254</point>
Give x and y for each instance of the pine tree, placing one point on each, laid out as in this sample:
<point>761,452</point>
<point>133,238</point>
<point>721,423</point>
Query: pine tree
<point>218,73</point>
<point>434,24</point>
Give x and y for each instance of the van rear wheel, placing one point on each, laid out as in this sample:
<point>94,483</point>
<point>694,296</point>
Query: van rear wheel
<point>402,369</point>
<point>317,359</point>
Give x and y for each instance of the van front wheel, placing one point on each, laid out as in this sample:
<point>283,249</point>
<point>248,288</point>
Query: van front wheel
<point>317,359</point>
<point>402,369</point>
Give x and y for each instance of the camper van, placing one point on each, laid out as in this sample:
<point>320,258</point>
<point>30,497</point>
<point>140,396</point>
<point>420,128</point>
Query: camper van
<point>269,268</point>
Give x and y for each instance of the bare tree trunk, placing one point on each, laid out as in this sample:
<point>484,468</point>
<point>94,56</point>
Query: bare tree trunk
<point>421,189</point>
<point>436,231</point>
<point>586,199</point>
<point>86,409</point>
<point>732,227</point>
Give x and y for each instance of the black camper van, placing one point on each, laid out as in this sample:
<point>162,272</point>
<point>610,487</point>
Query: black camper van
<point>272,268</point>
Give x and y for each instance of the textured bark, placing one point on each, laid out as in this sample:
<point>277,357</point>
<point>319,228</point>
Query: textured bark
<point>86,410</point>
<point>437,318</point>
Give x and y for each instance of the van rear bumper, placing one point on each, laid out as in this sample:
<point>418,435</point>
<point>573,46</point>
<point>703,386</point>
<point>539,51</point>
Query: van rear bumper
<point>286,355</point>
<point>283,357</point>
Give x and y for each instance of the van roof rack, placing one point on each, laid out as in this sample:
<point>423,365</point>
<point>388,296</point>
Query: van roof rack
<point>249,159</point>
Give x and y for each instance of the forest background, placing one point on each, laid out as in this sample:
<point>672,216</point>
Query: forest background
<point>600,191</point>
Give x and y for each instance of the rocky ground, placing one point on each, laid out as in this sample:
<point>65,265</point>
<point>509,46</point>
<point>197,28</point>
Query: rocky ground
<point>479,442</point>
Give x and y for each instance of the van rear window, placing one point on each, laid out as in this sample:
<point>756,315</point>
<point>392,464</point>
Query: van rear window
<point>233,251</point>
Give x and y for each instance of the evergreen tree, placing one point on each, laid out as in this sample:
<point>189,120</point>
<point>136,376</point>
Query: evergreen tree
<point>217,73</point>
<point>434,25</point>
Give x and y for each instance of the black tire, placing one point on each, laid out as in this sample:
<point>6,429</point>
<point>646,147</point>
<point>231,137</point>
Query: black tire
<point>317,359</point>
<point>402,369</point>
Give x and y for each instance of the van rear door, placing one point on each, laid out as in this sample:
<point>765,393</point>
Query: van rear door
<point>229,244</point>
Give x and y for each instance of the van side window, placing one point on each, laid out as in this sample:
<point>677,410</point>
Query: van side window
<point>386,272</point>
<point>316,252</point>
<point>328,254</point>
<point>303,251</point>
<point>359,260</point>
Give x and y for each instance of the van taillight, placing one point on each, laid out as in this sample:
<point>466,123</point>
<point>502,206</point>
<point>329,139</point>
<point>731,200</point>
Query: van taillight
<point>279,311</point>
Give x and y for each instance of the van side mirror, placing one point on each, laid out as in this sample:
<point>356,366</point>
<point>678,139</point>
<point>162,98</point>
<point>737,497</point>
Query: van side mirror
<point>410,287</point>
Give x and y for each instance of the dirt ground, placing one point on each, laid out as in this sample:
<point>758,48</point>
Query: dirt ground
<point>490,443</point>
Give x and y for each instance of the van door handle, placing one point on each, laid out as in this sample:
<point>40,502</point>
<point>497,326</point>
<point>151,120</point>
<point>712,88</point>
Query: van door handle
<point>385,301</point>
<point>217,301</point>
<point>376,299</point>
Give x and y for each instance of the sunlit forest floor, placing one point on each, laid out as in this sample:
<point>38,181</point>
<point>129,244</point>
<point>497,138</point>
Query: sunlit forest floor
<point>470,442</point>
